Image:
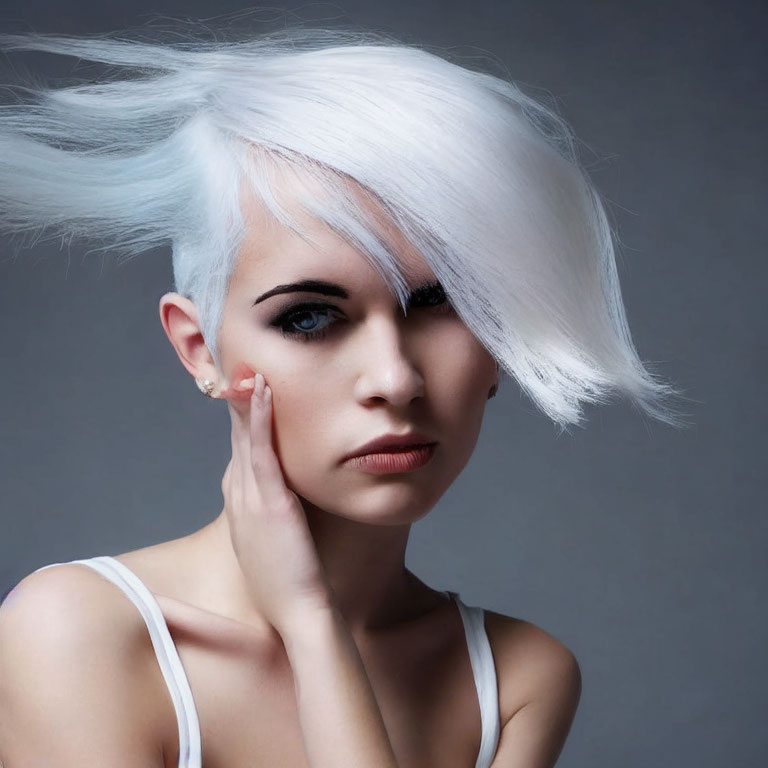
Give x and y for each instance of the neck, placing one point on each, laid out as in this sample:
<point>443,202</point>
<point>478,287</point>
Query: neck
<point>364,564</point>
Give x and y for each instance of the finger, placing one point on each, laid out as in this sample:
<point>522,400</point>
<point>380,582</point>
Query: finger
<point>237,436</point>
<point>237,393</point>
<point>264,462</point>
<point>239,390</point>
<point>239,403</point>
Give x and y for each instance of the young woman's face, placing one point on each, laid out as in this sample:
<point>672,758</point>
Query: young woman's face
<point>346,370</point>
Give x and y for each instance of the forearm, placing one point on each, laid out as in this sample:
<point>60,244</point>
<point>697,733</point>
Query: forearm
<point>340,718</point>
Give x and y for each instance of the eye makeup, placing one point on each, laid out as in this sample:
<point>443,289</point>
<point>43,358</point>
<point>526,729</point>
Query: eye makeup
<point>291,322</point>
<point>288,322</point>
<point>429,294</point>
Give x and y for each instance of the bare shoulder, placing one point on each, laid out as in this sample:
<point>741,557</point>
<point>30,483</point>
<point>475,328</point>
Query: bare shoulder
<point>531,665</point>
<point>75,651</point>
<point>64,600</point>
<point>69,609</point>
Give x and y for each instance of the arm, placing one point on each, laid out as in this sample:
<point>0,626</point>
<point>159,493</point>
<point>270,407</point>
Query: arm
<point>340,719</point>
<point>535,733</point>
<point>342,724</point>
<point>73,679</point>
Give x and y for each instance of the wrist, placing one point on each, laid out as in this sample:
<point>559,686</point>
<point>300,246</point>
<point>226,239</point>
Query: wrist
<point>308,627</point>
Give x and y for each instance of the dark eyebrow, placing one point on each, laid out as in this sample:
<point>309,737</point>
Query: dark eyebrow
<point>332,289</point>
<point>307,286</point>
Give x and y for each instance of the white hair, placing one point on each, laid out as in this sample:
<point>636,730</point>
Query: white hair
<point>480,178</point>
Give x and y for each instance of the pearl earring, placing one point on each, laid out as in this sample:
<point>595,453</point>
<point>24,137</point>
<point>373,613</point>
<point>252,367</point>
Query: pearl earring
<point>206,386</point>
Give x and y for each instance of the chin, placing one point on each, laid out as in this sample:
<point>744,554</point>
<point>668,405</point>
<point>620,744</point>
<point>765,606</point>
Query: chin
<point>385,504</point>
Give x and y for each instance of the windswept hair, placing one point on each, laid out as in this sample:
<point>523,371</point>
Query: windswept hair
<point>480,178</point>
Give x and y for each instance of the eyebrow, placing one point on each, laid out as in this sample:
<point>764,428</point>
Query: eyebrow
<point>306,286</point>
<point>327,289</point>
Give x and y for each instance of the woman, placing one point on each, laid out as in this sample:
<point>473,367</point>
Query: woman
<point>364,235</point>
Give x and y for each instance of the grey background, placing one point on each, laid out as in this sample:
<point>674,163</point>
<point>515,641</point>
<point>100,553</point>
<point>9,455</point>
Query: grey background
<point>641,547</point>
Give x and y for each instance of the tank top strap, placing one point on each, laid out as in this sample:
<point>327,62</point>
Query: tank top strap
<point>484,672</point>
<point>190,755</point>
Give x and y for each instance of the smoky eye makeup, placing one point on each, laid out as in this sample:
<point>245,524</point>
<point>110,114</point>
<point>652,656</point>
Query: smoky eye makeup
<point>306,320</point>
<point>429,294</point>
<point>312,320</point>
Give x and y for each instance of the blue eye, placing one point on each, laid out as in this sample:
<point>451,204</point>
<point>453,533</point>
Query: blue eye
<point>305,322</point>
<point>312,321</point>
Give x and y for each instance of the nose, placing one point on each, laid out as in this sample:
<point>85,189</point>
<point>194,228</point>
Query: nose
<point>387,369</point>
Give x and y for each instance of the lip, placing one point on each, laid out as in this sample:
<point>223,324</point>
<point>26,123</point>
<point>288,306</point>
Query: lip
<point>389,462</point>
<point>391,443</point>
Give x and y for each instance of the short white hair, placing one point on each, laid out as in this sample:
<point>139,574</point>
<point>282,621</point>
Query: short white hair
<point>483,180</point>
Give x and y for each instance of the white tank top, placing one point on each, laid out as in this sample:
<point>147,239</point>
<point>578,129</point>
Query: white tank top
<point>190,755</point>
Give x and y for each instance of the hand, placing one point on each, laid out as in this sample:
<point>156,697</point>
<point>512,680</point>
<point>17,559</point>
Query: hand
<point>268,526</point>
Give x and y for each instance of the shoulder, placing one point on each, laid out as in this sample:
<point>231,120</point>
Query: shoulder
<point>63,601</point>
<point>69,609</point>
<point>532,667</point>
<point>74,650</point>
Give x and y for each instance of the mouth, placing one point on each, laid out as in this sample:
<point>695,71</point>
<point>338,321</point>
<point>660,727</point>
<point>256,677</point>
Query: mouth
<point>394,459</point>
<point>391,442</point>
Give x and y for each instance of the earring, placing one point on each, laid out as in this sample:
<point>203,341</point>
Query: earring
<point>206,386</point>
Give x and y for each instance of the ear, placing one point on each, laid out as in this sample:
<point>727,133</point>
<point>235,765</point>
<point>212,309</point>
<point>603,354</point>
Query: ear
<point>178,315</point>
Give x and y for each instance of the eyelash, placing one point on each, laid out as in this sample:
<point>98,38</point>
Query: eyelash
<point>285,319</point>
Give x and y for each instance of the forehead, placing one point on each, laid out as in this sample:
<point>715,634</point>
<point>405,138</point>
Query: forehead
<point>272,252</point>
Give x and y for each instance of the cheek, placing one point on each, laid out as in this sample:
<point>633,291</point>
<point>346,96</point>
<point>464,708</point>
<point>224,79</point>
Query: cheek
<point>461,378</point>
<point>300,421</point>
<point>462,370</point>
